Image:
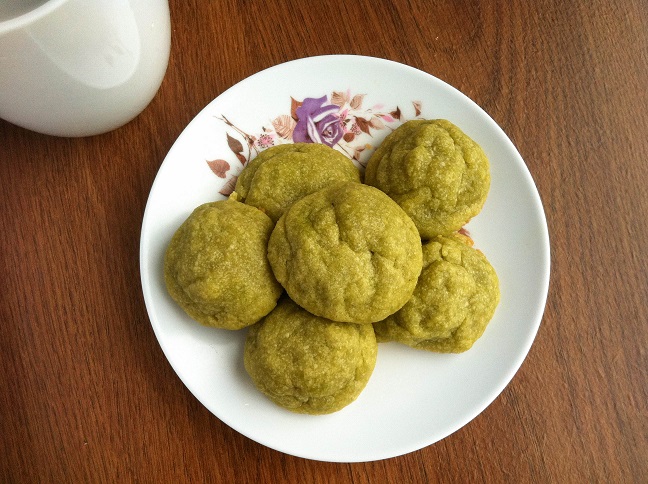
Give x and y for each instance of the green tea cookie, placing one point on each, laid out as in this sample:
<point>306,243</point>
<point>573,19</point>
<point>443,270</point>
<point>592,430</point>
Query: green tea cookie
<point>435,172</point>
<point>309,364</point>
<point>454,300</point>
<point>347,253</point>
<point>216,267</point>
<point>281,175</point>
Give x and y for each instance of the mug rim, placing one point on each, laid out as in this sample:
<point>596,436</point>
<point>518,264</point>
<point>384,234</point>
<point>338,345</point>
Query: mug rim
<point>29,17</point>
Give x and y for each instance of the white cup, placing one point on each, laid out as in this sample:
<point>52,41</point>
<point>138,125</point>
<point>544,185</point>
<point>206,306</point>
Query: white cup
<point>80,67</point>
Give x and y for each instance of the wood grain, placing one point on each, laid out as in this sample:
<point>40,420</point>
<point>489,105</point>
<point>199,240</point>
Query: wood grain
<point>88,396</point>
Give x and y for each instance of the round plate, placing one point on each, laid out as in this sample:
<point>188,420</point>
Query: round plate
<point>414,398</point>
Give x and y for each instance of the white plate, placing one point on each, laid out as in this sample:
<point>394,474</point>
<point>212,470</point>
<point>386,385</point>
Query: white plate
<point>414,398</point>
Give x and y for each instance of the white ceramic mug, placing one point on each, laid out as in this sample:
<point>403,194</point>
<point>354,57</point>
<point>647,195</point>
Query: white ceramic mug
<point>80,67</point>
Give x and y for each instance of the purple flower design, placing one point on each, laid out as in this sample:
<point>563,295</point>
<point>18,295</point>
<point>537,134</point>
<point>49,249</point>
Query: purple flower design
<point>338,120</point>
<point>317,123</point>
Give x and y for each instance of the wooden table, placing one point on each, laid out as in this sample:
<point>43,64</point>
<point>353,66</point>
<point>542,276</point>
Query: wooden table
<point>86,392</point>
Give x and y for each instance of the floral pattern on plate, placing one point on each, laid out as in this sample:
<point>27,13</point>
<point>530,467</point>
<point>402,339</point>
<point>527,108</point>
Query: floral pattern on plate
<point>338,120</point>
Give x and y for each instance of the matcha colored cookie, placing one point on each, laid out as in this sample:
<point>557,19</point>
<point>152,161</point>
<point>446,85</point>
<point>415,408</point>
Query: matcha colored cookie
<point>454,300</point>
<point>347,253</point>
<point>306,363</point>
<point>435,172</point>
<point>281,175</point>
<point>216,267</point>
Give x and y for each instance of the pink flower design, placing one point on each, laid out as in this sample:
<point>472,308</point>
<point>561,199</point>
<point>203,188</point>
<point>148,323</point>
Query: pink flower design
<point>265,140</point>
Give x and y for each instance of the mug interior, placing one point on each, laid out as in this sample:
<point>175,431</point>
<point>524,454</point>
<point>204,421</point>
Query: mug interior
<point>15,14</point>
